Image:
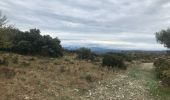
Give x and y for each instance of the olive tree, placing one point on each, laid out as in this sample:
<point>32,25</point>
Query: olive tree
<point>163,37</point>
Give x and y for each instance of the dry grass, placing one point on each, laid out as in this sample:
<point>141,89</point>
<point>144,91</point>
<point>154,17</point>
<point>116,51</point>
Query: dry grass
<point>39,78</point>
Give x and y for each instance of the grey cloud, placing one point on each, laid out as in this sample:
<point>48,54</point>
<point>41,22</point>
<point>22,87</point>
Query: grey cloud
<point>89,17</point>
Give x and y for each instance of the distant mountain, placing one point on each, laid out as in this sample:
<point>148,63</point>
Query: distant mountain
<point>102,50</point>
<point>98,50</point>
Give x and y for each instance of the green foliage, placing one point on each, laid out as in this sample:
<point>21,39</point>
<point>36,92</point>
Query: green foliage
<point>113,61</point>
<point>23,47</point>
<point>124,56</point>
<point>85,54</point>
<point>29,42</point>
<point>163,70</point>
<point>166,77</point>
<point>5,41</point>
<point>163,37</point>
<point>161,65</point>
<point>51,47</point>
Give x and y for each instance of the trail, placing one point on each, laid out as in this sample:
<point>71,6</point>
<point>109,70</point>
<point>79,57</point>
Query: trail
<point>130,85</point>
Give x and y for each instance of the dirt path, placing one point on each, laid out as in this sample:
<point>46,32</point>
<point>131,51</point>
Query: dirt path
<point>125,86</point>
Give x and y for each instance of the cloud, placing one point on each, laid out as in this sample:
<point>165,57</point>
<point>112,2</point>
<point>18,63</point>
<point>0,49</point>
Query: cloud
<point>128,21</point>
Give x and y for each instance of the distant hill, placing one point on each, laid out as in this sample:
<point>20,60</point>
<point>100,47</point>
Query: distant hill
<point>101,50</point>
<point>98,50</point>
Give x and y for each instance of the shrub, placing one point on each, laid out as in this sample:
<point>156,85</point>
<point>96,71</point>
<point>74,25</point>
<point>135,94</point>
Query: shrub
<point>124,56</point>
<point>91,78</point>
<point>85,54</point>
<point>23,47</point>
<point>29,42</point>
<point>113,61</point>
<point>51,47</point>
<point>161,65</point>
<point>162,68</point>
<point>166,77</point>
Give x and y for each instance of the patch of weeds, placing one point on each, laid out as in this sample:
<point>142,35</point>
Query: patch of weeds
<point>45,62</point>
<point>23,78</point>
<point>157,90</point>
<point>15,59</point>
<point>151,82</point>
<point>7,72</point>
<point>90,77</point>
<point>57,62</point>
<point>69,60</point>
<point>135,73</point>
<point>25,63</point>
<point>32,59</point>
<point>62,69</point>
<point>4,61</point>
<point>65,98</point>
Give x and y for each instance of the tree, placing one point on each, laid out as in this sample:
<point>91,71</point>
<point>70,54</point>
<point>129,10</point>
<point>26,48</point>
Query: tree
<point>28,42</point>
<point>85,53</point>
<point>51,47</point>
<point>32,42</point>
<point>5,38</point>
<point>3,19</point>
<point>23,47</point>
<point>4,43</point>
<point>163,37</point>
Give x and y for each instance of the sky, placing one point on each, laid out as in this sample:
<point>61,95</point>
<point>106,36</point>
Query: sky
<point>112,24</point>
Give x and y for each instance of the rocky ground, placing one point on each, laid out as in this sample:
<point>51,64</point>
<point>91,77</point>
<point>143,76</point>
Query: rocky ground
<point>125,86</point>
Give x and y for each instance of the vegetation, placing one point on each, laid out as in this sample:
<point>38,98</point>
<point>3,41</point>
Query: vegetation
<point>163,37</point>
<point>28,77</point>
<point>163,70</point>
<point>28,42</point>
<point>85,54</point>
<point>162,64</point>
<point>38,78</point>
<point>113,61</point>
<point>146,75</point>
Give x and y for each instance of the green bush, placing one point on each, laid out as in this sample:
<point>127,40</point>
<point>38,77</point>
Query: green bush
<point>85,54</point>
<point>113,61</point>
<point>166,77</point>
<point>29,42</point>
<point>162,68</point>
<point>124,56</point>
<point>161,65</point>
<point>23,47</point>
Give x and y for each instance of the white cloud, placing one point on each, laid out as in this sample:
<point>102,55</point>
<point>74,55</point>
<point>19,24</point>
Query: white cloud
<point>129,21</point>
